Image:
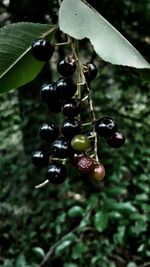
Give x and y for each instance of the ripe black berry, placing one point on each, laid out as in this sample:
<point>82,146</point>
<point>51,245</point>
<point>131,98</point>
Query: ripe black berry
<point>60,148</point>
<point>48,131</point>
<point>105,126</point>
<point>65,88</point>
<point>67,66</point>
<point>42,49</point>
<point>40,157</point>
<point>116,140</point>
<point>90,71</point>
<point>56,173</point>
<point>48,92</point>
<point>75,156</point>
<point>72,107</point>
<point>71,127</point>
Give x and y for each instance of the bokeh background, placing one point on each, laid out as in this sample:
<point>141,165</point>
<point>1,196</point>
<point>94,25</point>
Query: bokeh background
<point>98,225</point>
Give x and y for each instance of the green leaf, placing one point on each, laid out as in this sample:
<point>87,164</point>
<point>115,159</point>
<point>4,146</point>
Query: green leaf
<point>120,235</point>
<point>63,245</point>
<point>17,65</point>
<point>75,211</point>
<point>101,220</point>
<point>80,20</point>
<point>78,249</point>
<point>21,261</point>
<point>39,252</point>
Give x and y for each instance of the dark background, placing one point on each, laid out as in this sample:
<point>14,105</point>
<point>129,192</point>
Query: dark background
<point>31,221</point>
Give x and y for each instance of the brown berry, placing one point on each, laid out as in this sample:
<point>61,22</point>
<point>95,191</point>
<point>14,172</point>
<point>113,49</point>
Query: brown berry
<point>98,173</point>
<point>85,164</point>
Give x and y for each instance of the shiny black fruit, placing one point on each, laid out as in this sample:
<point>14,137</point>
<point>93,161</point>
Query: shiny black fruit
<point>56,173</point>
<point>67,66</point>
<point>90,71</point>
<point>42,49</point>
<point>105,126</point>
<point>72,107</point>
<point>40,157</point>
<point>116,140</point>
<point>48,131</point>
<point>60,148</point>
<point>48,93</point>
<point>71,127</point>
<point>66,88</point>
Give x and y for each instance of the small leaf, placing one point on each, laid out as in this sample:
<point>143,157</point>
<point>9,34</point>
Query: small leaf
<point>39,251</point>
<point>120,235</point>
<point>17,65</point>
<point>75,211</point>
<point>101,220</point>
<point>63,245</point>
<point>80,20</point>
<point>78,249</point>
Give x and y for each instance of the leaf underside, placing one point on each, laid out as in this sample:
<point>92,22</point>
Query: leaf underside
<point>17,65</point>
<point>79,20</point>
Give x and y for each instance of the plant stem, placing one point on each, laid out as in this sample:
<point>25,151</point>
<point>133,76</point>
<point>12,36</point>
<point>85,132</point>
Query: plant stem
<point>42,184</point>
<point>93,117</point>
<point>80,81</point>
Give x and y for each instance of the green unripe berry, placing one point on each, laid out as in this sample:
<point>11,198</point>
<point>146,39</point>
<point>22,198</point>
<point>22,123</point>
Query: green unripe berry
<point>80,142</point>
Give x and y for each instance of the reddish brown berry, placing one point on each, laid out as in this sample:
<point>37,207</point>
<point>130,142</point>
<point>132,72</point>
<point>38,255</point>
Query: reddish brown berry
<point>98,172</point>
<point>85,164</point>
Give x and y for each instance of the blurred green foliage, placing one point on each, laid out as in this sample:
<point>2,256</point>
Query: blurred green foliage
<point>98,225</point>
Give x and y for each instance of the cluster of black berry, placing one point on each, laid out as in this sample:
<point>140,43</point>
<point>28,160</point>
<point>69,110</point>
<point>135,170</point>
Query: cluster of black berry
<point>66,142</point>
<point>106,127</point>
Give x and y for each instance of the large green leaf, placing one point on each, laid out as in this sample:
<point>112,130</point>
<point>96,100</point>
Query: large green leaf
<point>80,20</point>
<point>17,65</point>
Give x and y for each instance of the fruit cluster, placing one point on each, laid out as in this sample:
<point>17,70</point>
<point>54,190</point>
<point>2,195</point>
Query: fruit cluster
<point>68,142</point>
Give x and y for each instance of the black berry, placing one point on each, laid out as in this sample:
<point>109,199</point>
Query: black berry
<point>56,173</point>
<point>75,156</point>
<point>48,131</point>
<point>42,49</point>
<point>116,140</point>
<point>40,157</point>
<point>60,148</point>
<point>48,92</point>
<point>72,107</point>
<point>67,66</point>
<point>71,127</point>
<point>65,88</point>
<point>90,71</point>
<point>105,126</point>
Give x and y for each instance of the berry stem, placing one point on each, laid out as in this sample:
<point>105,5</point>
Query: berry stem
<point>93,117</point>
<point>61,44</point>
<point>80,76</point>
<point>84,98</point>
<point>42,184</point>
<point>86,124</point>
<point>81,81</point>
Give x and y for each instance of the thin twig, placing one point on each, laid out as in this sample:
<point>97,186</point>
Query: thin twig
<point>51,250</point>
<point>42,184</point>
